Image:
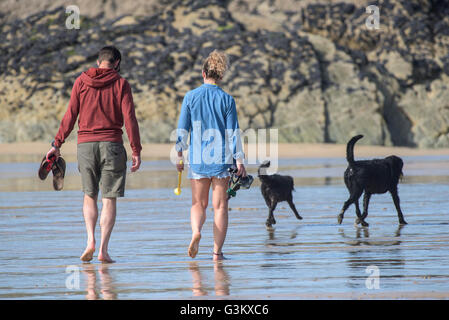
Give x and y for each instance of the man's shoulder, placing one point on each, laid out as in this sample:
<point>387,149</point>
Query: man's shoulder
<point>79,78</point>
<point>123,83</point>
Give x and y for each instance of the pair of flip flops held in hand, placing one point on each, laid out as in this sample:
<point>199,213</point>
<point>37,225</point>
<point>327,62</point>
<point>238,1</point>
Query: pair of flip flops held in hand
<point>57,167</point>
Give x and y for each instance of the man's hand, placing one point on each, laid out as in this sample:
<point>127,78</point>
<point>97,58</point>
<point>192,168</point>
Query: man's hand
<point>53,151</point>
<point>136,163</point>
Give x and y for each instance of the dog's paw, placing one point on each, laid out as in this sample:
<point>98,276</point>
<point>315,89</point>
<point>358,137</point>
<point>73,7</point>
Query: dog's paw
<point>340,218</point>
<point>364,223</point>
<point>270,222</point>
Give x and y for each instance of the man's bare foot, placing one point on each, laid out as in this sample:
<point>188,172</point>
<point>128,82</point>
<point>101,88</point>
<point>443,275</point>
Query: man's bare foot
<point>194,245</point>
<point>105,258</point>
<point>88,254</point>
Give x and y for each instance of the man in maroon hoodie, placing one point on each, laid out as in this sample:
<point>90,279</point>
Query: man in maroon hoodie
<point>102,100</point>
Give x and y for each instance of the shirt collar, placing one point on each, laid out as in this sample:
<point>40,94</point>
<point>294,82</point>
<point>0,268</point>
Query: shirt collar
<point>210,85</point>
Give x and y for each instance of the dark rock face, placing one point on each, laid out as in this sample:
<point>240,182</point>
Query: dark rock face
<point>314,70</point>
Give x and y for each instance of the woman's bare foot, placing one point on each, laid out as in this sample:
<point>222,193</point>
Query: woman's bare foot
<point>218,256</point>
<point>105,258</point>
<point>194,245</point>
<point>88,254</point>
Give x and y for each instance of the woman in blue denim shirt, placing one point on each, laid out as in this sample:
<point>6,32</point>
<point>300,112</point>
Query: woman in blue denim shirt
<point>209,114</point>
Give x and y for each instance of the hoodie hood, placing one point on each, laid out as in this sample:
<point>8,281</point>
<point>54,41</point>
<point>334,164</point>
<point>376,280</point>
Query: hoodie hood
<point>99,77</point>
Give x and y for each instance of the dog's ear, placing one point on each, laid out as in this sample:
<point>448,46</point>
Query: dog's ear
<point>265,164</point>
<point>262,171</point>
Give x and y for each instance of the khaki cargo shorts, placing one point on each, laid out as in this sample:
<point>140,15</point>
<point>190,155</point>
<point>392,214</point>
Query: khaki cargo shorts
<point>103,167</point>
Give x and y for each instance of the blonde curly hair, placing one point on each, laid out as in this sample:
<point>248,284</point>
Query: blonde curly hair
<point>215,65</point>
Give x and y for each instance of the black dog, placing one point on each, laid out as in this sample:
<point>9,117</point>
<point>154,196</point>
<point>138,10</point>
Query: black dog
<point>275,188</point>
<point>372,177</point>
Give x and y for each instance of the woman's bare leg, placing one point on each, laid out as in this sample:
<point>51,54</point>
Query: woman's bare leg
<point>200,198</point>
<point>220,203</point>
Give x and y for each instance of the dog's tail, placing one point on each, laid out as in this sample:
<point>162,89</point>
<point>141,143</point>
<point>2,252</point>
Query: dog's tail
<point>350,149</point>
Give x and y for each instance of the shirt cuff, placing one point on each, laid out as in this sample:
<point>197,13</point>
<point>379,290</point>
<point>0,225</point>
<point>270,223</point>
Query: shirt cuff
<point>57,143</point>
<point>181,145</point>
<point>239,155</point>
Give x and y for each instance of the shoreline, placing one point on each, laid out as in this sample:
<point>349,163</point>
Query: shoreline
<point>161,151</point>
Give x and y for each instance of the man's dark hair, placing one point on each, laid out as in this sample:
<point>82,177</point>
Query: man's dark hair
<point>111,54</point>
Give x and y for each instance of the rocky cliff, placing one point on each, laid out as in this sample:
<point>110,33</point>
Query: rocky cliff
<point>312,69</point>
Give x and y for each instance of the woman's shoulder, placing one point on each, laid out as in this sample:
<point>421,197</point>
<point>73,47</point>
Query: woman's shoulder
<point>192,93</point>
<point>229,100</point>
<point>189,96</point>
<point>226,96</point>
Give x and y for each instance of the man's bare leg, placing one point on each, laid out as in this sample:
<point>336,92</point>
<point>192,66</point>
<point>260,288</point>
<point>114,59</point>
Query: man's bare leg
<point>89,271</point>
<point>107,221</point>
<point>90,212</point>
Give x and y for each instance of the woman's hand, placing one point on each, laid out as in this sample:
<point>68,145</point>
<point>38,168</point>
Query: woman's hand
<point>241,171</point>
<point>180,164</point>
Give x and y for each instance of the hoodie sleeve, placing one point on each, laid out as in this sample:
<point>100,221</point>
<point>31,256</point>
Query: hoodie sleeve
<point>69,119</point>
<point>129,117</point>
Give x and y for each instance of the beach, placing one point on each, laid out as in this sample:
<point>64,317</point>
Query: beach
<point>311,74</point>
<point>160,151</point>
<point>42,233</point>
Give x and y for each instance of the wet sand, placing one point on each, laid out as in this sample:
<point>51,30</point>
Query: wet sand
<point>314,258</point>
<point>156,151</point>
<point>42,236</point>
<point>21,174</point>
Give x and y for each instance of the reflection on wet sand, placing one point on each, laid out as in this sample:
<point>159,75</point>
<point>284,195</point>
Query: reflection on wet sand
<point>221,280</point>
<point>362,258</point>
<point>359,240</point>
<point>271,234</point>
<point>107,290</point>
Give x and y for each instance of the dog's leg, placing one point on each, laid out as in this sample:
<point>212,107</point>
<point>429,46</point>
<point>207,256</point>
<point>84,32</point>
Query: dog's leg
<point>353,198</point>
<point>270,213</point>
<point>359,215</point>
<point>292,206</point>
<point>366,199</point>
<point>394,195</point>
<point>361,218</point>
<point>271,220</point>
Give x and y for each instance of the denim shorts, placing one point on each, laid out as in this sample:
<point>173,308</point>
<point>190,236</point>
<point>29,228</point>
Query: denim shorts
<point>192,175</point>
